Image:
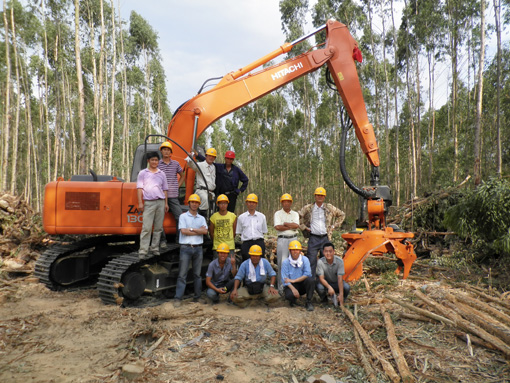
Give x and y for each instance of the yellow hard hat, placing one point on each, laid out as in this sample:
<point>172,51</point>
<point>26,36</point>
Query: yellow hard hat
<point>223,248</point>
<point>252,198</point>
<point>222,197</point>
<point>211,152</point>
<point>286,197</point>
<point>166,144</point>
<point>194,197</point>
<point>320,191</point>
<point>295,245</point>
<point>255,250</point>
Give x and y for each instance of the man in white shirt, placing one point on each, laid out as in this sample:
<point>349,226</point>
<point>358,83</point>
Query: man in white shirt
<point>286,222</point>
<point>252,226</point>
<point>207,170</point>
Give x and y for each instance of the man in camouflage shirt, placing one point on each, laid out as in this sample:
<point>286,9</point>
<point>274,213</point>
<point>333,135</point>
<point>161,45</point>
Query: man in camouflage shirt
<point>317,221</point>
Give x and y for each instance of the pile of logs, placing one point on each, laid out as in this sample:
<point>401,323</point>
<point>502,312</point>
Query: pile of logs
<point>478,319</point>
<point>21,234</point>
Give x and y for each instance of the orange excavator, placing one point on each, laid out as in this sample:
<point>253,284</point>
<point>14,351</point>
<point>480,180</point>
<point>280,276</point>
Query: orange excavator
<point>104,207</point>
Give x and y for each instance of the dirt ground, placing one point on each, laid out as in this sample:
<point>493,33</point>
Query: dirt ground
<point>72,336</point>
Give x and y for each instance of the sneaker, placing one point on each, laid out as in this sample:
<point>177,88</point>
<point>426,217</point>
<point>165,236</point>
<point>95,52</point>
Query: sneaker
<point>309,306</point>
<point>156,253</point>
<point>142,255</point>
<point>199,300</point>
<point>163,245</point>
<point>177,303</point>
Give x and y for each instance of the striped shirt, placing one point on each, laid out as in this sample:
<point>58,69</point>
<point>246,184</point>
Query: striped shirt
<point>171,170</point>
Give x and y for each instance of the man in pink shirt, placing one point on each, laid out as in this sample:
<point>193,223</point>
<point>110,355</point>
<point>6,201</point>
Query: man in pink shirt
<point>152,201</point>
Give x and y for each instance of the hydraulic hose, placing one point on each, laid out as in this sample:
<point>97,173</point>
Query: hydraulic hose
<point>343,139</point>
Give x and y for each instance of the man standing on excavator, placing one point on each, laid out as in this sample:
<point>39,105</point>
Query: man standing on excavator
<point>317,221</point>
<point>171,168</point>
<point>228,177</point>
<point>207,170</point>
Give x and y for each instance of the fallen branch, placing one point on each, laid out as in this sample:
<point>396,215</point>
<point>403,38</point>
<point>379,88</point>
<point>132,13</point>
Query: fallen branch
<point>465,325</point>
<point>402,366</point>
<point>480,319</point>
<point>505,319</point>
<point>422,311</point>
<point>387,367</point>
<point>153,347</point>
<point>416,317</point>
<point>487,297</point>
<point>365,360</point>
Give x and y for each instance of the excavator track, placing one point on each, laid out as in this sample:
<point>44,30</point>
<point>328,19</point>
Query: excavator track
<point>128,281</point>
<point>46,264</point>
<point>109,284</point>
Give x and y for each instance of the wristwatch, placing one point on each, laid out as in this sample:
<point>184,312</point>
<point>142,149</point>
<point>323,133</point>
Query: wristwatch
<point>271,286</point>
<point>191,229</point>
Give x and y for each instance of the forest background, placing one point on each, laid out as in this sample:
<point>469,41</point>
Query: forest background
<point>81,88</point>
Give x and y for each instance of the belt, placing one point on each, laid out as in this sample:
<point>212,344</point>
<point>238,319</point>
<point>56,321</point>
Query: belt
<point>287,236</point>
<point>201,188</point>
<point>254,239</point>
<point>189,245</point>
<point>319,235</point>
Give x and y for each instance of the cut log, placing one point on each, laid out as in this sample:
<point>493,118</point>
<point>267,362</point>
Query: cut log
<point>464,324</point>
<point>424,312</point>
<point>387,367</point>
<point>502,317</point>
<point>365,360</point>
<point>402,366</point>
<point>422,318</point>
<point>498,301</point>
<point>482,320</point>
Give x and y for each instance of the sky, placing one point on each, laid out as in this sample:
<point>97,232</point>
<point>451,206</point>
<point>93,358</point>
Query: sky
<point>200,39</point>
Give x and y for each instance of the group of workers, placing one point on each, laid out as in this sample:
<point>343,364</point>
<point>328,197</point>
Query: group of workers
<point>298,274</point>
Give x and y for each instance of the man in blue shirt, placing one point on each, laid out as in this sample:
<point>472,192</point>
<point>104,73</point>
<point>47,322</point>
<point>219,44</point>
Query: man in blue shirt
<point>254,272</point>
<point>220,273</point>
<point>297,276</point>
<point>192,228</point>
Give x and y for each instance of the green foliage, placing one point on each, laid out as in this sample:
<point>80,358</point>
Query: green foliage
<point>482,216</point>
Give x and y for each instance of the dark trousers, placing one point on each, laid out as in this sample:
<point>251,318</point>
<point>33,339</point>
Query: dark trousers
<point>323,292</point>
<point>245,247</point>
<point>174,207</point>
<point>304,287</point>
<point>315,243</point>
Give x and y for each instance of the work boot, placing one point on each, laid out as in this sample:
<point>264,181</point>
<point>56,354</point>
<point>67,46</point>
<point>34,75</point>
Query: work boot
<point>177,303</point>
<point>309,306</point>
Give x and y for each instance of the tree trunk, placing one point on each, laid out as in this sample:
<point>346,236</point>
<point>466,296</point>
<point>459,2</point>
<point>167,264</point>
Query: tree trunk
<point>82,168</point>
<point>7,124</point>
<point>14,157</point>
<point>497,17</point>
<point>395,95</point>
<point>478,125</point>
<point>112,106</point>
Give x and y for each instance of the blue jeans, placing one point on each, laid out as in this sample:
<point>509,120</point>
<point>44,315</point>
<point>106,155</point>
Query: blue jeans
<point>194,256</point>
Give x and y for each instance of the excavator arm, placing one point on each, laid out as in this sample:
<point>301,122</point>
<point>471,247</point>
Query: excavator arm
<point>239,88</point>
